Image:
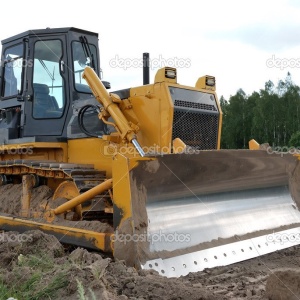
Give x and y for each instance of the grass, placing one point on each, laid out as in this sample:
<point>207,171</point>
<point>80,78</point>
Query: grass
<point>41,280</point>
<point>39,277</point>
<point>33,288</point>
<point>81,292</point>
<point>40,261</point>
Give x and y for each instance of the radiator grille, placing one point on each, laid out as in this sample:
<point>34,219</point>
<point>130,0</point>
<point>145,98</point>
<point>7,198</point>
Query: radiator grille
<point>196,105</point>
<point>198,130</point>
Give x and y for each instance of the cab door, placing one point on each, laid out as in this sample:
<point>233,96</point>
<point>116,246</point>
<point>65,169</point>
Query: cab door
<point>46,97</point>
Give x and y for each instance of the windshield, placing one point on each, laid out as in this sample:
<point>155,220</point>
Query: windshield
<point>82,59</point>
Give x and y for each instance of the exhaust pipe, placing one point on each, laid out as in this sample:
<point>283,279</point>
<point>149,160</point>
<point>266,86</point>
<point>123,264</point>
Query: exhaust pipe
<point>146,69</point>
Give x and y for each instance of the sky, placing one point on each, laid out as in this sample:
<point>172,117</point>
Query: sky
<point>242,43</point>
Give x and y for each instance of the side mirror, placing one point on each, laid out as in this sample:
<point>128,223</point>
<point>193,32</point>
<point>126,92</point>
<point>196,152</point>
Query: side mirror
<point>106,84</point>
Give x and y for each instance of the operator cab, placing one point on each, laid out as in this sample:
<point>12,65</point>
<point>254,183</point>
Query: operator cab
<point>40,80</point>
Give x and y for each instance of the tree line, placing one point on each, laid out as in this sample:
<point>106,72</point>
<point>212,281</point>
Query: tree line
<point>271,115</point>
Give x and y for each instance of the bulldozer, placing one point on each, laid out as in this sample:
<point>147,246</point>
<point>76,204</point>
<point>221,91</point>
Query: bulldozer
<point>137,172</point>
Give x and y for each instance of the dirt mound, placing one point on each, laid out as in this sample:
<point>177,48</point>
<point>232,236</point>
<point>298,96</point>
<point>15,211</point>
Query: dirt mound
<point>34,265</point>
<point>284,284</point>
<point>128,282</point>
<point>53,273</point>
<point>113,280</point>
<point>13,244</point>
<point>41,264</point>
<point>87,225</point>
<point>11,198</point>
<point>41,196</point>
<point>247,279</point>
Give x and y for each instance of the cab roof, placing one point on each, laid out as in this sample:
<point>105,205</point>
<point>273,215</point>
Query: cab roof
<point>38,32</point>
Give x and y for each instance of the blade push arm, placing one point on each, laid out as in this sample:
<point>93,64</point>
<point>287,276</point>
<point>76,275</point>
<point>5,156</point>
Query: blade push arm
<point>111,108</point>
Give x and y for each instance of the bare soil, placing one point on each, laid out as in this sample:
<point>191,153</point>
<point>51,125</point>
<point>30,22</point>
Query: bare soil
<point>40,198</point>
<point>274,276</point>
<point>23,256</point>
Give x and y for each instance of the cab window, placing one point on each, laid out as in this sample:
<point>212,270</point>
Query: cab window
<point>80,61</point>
<point>13,61</point>
<point>48,83</point>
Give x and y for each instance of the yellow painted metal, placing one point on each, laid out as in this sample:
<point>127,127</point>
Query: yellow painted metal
<point>149,108</point>
<point>178,145</point>
<point>27,185</point>
<point>161,75</point>
<point>68,190</point>
<point>33,145</point>
<point>253,145</point>
<point>148,111</point>
<point>121,182</point>
<point>121,185</point>
<point>220,121</point>
<point>202,83</point>
<point>92,151</point>
<point>102,187</point>
<point>35,151</point>
<point>124,208</point>
<point>154,107</point>
<point>100,240</point>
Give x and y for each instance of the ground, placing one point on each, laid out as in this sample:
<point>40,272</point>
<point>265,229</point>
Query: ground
<point>36,266</point>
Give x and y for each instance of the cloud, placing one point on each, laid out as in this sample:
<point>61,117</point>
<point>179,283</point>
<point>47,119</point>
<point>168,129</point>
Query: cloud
<point>294,3</point>
<point>264,37</point>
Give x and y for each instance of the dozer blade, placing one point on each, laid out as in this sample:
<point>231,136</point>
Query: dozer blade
<point>212,208</point>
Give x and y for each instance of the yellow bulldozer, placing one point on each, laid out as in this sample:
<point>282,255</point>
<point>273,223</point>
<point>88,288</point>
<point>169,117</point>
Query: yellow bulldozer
<point>137,172</point>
